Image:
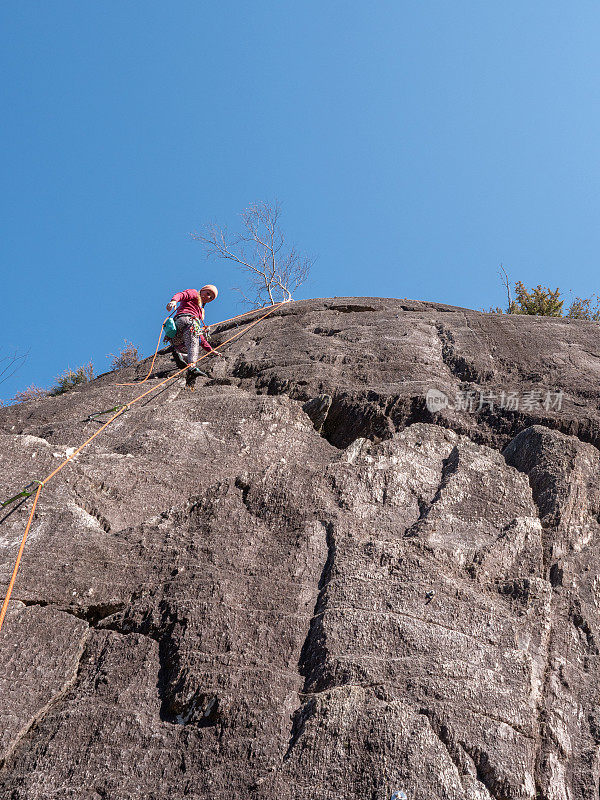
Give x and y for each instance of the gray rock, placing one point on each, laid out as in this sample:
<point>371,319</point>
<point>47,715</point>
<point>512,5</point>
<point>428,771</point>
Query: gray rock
<point>297,581</point>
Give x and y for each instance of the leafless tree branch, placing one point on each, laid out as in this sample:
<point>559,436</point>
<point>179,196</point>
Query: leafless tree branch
<point>11,364</point>
<point>506,283</point>
<point>272,269</point>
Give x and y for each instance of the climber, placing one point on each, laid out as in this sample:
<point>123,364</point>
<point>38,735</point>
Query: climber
<point>189,321</point>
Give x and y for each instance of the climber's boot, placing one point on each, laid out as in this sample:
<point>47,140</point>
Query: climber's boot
<point>178,358</point>
<point>194,372</point>
<point>191,375</point>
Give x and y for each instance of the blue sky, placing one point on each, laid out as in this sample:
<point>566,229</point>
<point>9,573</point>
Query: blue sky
<point>415,145</point>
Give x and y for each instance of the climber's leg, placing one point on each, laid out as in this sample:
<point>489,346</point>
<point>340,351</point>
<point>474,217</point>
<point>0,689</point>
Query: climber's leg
<point>178,345</point>
<point>190,338</point>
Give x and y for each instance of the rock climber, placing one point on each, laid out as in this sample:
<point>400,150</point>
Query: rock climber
<point>189,321</point>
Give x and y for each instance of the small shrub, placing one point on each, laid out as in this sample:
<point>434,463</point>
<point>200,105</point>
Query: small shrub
<point>127,356</point>
<point>71,378</point>
<point>32,392</point>
<point>582,308</point>
<point>540,301</point>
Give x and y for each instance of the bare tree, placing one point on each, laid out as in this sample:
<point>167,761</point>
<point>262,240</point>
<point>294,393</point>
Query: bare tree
<point>273,269</point>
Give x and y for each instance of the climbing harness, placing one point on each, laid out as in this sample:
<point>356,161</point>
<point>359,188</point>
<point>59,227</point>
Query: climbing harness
<point>118,411</point>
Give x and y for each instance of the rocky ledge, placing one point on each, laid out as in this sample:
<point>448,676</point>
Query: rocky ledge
<point>304,579</point>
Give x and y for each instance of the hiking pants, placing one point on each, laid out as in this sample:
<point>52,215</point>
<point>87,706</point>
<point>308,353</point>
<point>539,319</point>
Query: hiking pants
<point>186,339</point>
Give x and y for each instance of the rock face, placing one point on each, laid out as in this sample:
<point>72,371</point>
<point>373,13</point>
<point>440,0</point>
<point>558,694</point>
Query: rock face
<point>301,582</point>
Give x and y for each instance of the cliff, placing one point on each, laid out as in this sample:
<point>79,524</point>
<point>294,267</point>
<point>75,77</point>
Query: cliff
<point>305,581</point>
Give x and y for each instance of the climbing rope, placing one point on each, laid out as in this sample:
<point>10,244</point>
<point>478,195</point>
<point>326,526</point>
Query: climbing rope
<point>239,316</point>
<point>118,411</point>
<point>153,358</point>
<point>13,577</point>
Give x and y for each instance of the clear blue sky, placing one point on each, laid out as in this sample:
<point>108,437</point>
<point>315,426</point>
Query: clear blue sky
<point>415,144</point>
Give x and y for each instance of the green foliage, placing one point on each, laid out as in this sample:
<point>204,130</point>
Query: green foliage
<point>127,356</point>
<point>71,378</point>
<point>582,308</point>
<point>543,302</point>
<point>540,301</point>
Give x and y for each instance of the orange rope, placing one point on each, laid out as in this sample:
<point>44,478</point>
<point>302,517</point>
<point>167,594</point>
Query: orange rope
<point>245,314</point>
<point>20,553</point>
<point>153,359</point>
<point>80,448</point>
<point>97,433</point>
